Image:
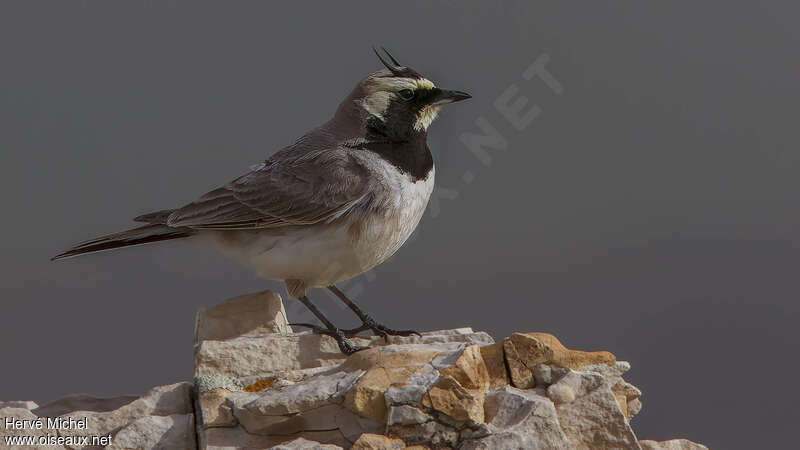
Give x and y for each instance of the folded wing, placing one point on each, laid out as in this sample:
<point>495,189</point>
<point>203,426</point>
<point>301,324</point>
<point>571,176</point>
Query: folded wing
<point>288,189</point>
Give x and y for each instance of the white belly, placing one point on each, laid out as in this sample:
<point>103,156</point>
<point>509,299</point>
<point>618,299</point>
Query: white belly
<point>325,254</point>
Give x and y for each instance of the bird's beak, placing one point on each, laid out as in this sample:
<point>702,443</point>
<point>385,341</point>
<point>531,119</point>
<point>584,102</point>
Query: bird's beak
<point>444,96</point>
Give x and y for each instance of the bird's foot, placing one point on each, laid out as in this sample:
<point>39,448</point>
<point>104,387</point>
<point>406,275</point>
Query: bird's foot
<point>378,330</point>
<point>345,345</point>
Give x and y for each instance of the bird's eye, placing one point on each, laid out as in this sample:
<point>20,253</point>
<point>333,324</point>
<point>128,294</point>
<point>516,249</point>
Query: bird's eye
<point>406,94</point>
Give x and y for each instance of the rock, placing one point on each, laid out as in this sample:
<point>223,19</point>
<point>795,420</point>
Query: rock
<point>19,404</point>
<point>674,444</point>
<point>174,399</point>
<point>214,410</point>
<point>542,375</point>
<point>287,410</point>
<point>524,351</point>
<point>258,385</point>
<point>369,441</point>
<point>406,415</point>
<point>450,398</point>
<point>625,392</point>
<point>634,406</point>
<point>520,419</point>
<point>431,434</point>
<point>467,367</point>
<point>561,393</point>
<point>157,432</point>
<point>266,355</point>
<point>235,438</point>
<point>305,444</point>
<point>593,419</point>
<point>453,336</point>
<point>384,367</point>
<point>211,381</point>
<point>412,391</point>
<point>10,432</point>
<point>277,355</point>
<point>82,402</point>
<point>494,359</point>
<point>247,315</point>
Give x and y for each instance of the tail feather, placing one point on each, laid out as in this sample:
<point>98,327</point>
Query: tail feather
<point>136,236</point>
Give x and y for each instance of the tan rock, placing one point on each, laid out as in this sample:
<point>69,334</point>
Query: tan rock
<point>469,369</point>
<point>523,351</point>
<point>494,359</point>
<point>369,441</point>
<point>214,410</point>
<point>674,444</point>
<point>450,398</point>
<point>520,374</point>
<point>367,399</point>
<point>385,367</point>
<point>247,315</point>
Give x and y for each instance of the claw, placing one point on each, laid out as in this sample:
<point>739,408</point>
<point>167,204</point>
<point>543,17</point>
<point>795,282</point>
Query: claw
<point>379,330</point>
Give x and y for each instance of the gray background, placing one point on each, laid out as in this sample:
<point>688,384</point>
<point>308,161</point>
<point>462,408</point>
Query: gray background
<point>651,210</point>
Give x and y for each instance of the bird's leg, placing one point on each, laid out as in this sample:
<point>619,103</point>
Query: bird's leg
<point>347,347</point>
<point>368,323</point>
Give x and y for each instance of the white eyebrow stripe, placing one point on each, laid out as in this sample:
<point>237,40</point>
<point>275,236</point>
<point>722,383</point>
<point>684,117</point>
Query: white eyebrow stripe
<point>394,84</point>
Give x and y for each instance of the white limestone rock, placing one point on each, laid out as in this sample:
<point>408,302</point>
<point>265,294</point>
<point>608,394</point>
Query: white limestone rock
<point>594,418</point>
<point>173,399</point>
<point>406,415</point>
<point>174,432</point>
<point>520,419</point>
<point>252,314</point>
<point>266,355</point>
<point>313,405</point>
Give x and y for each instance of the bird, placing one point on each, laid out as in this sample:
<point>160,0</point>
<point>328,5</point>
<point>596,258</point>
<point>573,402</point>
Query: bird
<point>337,202</point>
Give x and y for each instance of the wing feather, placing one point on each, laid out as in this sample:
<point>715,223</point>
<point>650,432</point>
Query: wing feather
<point>291,188</point>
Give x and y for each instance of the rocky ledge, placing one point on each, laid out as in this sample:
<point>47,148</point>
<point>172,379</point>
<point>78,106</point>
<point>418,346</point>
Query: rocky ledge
<point>259,385</point>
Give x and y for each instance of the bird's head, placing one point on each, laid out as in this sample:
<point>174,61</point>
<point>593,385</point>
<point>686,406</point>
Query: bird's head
<point>397,102</point>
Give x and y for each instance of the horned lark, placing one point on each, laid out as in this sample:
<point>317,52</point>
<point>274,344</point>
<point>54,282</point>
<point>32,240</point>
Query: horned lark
<point>336,203</point>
